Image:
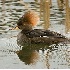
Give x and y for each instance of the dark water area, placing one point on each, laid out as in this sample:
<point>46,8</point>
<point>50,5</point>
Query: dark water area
<point>35,56</point>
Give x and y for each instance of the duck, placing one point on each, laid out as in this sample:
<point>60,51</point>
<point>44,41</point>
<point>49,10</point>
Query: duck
<point>29,36</point>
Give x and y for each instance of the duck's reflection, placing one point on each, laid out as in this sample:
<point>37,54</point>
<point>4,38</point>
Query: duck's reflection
<point>30,52</point>
<point>28,56</point>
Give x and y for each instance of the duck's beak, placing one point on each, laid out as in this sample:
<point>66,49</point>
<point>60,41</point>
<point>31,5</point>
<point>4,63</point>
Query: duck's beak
<point>16,28</point>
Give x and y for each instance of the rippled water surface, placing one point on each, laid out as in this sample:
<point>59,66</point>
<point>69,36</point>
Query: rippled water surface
<point>42,57</point>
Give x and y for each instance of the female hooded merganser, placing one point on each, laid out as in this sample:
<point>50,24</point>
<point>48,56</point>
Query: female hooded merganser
<point>28,35</point>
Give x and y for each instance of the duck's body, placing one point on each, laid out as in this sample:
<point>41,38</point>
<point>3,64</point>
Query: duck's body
<point>36,36</point>
<point>40,36</point>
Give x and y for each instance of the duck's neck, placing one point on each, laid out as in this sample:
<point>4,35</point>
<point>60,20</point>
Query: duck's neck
<point>25,31</point>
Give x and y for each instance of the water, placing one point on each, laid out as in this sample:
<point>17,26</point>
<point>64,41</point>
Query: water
<point>13,56</point>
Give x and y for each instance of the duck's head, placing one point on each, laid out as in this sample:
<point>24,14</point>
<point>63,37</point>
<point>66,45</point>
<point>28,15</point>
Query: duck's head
<point>28,20</point>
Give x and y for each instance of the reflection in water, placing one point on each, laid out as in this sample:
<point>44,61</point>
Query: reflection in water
<point>54,57</point>
<point>28,56</point>
<point>47,60</point>
<point>31,56</point>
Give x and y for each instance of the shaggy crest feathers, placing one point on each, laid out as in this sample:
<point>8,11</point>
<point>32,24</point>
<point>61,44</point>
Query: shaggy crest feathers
<point>29,19</point>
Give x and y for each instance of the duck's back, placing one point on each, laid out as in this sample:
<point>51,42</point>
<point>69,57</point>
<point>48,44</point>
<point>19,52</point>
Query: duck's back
<point>41,36</point>
<point>42,33</point>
